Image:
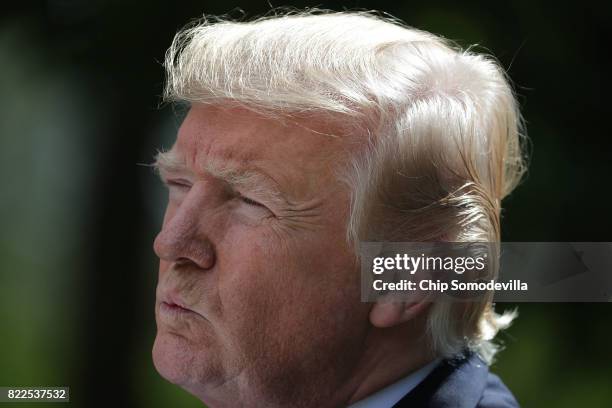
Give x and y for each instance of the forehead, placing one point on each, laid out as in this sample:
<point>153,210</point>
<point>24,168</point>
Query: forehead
<point>248,135</point>
<point>290,151</point>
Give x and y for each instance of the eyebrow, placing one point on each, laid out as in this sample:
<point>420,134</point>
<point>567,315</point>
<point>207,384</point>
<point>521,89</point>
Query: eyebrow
<point>253,179</point>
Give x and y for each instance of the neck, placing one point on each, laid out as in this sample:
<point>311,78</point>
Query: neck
<point>390,354</point>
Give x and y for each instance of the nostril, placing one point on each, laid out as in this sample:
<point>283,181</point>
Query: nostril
<point>183,261</point>
<point>204,263</point>
<point>184,249</point>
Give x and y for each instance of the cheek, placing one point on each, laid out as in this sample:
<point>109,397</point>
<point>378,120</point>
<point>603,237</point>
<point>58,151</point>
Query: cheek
<point>246,270</point>
<point>274,287</point>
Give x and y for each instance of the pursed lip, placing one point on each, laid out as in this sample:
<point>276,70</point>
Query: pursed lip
<point>173,303</point>
<point>176,306</point>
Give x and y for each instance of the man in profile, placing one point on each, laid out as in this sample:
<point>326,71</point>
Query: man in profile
<point>307,134</point>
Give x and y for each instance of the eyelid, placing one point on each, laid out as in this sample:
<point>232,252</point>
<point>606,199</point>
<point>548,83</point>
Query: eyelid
<point>250,201</point>
<point>178,182</point>
<point>256,204</point>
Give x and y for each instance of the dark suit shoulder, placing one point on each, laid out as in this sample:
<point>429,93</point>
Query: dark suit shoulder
<point>463,382</point>
<point>496,394</point>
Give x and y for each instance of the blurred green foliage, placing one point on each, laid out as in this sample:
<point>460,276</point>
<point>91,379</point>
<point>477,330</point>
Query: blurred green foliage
<point>80,86</point>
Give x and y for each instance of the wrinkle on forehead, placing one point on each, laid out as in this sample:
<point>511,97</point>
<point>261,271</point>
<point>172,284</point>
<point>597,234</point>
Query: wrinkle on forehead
<point>300,161</point>
<point>310,134</point>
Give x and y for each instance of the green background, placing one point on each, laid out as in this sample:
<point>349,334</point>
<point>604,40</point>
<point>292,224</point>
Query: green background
<point>79,110</point>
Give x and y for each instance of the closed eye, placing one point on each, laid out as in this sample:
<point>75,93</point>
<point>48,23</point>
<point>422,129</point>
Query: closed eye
<point>253,208</point>
<point>250,201</point>
<point>178,183</point>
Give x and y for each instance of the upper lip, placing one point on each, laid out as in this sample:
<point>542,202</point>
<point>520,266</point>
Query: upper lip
<point>171,297</point>
<point>175,300</point>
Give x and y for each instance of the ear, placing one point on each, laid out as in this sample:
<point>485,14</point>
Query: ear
<point>389,313</point>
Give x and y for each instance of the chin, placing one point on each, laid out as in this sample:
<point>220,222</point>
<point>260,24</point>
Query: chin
<point>170,358</point>
<point>177,362</point>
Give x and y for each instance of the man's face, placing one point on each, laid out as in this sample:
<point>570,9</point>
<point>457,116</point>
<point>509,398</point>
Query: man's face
<point>258,290</point>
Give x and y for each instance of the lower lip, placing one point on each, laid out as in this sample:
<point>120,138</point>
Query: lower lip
<point>173,310</point>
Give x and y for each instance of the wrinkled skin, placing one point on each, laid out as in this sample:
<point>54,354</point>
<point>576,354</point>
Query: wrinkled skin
<point>268,287</point>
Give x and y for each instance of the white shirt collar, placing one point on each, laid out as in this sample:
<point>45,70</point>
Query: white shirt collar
<point>390,395</point>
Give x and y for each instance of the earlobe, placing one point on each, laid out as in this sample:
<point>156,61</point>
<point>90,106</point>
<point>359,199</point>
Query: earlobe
<point>388,313</point>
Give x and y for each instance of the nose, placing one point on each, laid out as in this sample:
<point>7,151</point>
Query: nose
<point>182,239</point>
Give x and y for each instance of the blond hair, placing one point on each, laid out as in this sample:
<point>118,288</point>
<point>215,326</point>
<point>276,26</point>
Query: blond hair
<point>442,126</point>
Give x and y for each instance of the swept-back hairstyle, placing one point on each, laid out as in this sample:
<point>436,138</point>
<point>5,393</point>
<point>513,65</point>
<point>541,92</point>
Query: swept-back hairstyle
<point>440,126</point>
